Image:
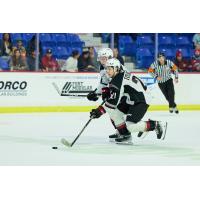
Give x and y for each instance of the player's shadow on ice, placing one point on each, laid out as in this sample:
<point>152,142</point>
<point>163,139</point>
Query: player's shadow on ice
<point>98,146</point>
<point>137,150</point>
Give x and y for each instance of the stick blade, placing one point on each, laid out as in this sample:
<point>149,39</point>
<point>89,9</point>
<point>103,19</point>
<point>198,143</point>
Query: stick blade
<point>65,142</point>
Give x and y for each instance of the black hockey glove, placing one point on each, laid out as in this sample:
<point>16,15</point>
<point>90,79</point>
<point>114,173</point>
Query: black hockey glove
<point>105,93</point>
<point>92,96</point>
<point>96,113</point>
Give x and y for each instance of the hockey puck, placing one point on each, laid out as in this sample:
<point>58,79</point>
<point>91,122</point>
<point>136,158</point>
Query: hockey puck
<point>54,147</point>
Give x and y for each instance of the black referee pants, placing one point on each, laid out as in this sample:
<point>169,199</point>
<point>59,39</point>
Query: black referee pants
<point>167,89</point>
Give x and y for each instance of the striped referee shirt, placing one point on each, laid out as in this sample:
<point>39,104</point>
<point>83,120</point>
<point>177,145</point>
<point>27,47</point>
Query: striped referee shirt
<point>164,71</point>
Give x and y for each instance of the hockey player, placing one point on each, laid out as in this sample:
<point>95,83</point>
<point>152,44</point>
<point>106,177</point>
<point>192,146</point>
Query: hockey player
<point>126,96</point>
<point>103,55</point>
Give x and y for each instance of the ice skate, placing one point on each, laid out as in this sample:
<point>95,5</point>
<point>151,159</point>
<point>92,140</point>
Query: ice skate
<point>176,110</point>
<point>140,134</point>
<point>159,130</point>
<point>124,139</point>
<point>171,110</point>
<point>114,136</point>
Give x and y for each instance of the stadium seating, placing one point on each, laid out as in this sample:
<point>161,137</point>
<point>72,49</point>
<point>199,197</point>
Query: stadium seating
<point>125,40</point>
<point>166,41</point>
<point>62,44</point>
<point>27,36</point>
<point>62,52</point>
<point>144,40</point>
<point>129,49</point>
<point>183,42</point>
<point>169,52</point>
<point>46,40</point>
<point>144,57</point>
<point>60,39</point>
<point>16,36</point>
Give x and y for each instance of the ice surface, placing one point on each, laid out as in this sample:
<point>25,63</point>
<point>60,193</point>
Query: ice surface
<point>27,139</point>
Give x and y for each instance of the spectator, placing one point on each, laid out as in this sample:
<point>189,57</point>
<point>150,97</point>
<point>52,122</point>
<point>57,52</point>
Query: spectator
<point>116,55</point>
<point>3,64</point>
<point>23,56</point>
<point>6,46</point>
<point>196,61</point>
<point>31,60</point>
<point>182,64</point>
<point>20,45</point>
<point>49,63</point>
<point>93,58</point>
<point>32,46</point>
<point>17,62</point>
<point>196,40</point>
<point>72,62</point>
<point>84,64</point>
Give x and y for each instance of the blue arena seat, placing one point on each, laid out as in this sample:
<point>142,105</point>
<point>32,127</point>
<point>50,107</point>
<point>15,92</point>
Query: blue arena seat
<point>143,52</point>
<point>60,39</point>
<point>145,62</point>
<point>166,41</point>
<point>183,41</point>
<point>129,49</point>
<point>62,52</point>
<point>46,39</point>
<point>125,45</point>
<point>72,37</point>
<point>170,53</point>
<point>16,36</point>
<point>27,36</point>
<point>125,39</point>
<point>144,57</point>
<point>144,40</point>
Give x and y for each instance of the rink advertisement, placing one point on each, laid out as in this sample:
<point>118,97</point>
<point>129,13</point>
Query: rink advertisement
<point>13,88</point>
<point>67,91</point>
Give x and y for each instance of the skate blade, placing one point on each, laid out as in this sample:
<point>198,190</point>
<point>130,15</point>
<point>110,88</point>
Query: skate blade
<point>144,135</point>
<point>128,142</point>
<point>165,131</point>
<point>124,143</point>
<point>65,142</point>
<point>112,140</point>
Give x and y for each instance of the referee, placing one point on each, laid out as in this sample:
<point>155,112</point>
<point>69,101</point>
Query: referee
<point>162,70</point>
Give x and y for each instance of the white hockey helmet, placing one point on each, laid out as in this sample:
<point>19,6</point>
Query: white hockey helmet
<point>113,62</point>
<point>105,52</point>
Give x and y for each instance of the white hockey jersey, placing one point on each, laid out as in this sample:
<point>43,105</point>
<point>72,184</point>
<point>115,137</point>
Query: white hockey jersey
<point>128,89</point>
<point>105,79</point>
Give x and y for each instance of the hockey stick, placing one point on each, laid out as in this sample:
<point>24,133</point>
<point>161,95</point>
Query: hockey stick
<point>56,87</point>
<point>75,95</point>
<point>66,143</point>
<point>70,95</point>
